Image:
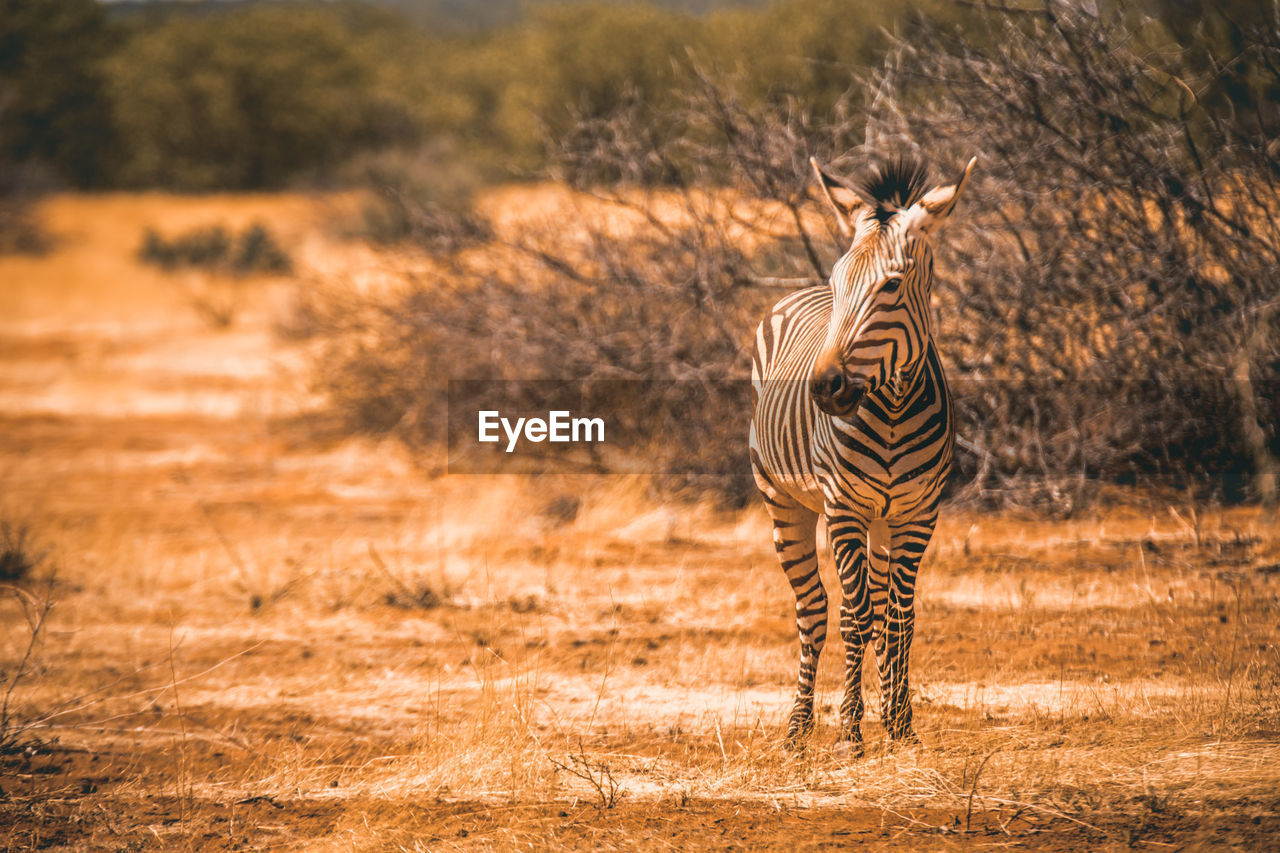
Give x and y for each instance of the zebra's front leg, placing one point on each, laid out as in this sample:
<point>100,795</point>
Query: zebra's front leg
<point>794,537</point>
<point>849,544</point>
<point>908,542</point>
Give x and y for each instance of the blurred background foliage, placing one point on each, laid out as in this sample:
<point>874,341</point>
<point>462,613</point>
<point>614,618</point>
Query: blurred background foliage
<point>1110,314</point>
<point>257,95</point>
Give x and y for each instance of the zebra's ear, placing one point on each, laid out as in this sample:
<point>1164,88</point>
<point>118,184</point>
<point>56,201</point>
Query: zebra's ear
<point>928,214</point>
<point>843,201</point>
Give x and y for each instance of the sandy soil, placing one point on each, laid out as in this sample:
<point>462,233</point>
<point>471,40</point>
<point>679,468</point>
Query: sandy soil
<point>268,636</point>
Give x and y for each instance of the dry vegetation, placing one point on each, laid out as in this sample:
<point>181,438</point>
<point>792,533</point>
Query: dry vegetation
<point>1105,301</point>
<point>263,637</point>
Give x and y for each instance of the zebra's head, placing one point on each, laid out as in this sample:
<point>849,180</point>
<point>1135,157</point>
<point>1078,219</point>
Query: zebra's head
<point>880,320</point>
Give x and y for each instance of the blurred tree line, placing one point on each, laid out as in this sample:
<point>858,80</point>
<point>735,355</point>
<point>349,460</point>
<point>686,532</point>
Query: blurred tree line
<point>257,95</point>
<point>237,96</point>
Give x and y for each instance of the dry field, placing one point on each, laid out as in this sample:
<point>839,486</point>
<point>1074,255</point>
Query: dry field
<point>265,635</point>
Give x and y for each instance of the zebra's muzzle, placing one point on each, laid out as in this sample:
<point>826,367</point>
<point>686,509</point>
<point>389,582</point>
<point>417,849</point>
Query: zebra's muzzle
<point>837,394</point>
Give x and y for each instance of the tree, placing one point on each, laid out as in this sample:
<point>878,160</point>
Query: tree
<point>248,99</point>
<point>53,113</point>
<point>1230,46</point>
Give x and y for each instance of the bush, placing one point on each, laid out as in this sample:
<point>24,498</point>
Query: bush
<point>668,306</point>
<point>253,97</point>
<point>25,634</point>
<point>1112,314</point>
<point>19,558</point>
<point>422,198</point>
<point>214,248</point>
<point>258,251</point>
<point>54,113</point>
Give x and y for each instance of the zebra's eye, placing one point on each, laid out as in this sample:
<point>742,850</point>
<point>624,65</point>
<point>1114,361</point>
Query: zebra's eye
<point>891,284</point>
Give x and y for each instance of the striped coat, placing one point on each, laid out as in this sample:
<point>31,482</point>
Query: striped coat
<point>852,421</point>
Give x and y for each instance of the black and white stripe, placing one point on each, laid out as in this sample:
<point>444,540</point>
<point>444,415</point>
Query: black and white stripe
<point>852,421</point>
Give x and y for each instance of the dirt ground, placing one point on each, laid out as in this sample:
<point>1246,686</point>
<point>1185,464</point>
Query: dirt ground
<point>267,635</point>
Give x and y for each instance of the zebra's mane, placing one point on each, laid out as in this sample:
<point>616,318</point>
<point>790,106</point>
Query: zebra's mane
<point>894,185</point>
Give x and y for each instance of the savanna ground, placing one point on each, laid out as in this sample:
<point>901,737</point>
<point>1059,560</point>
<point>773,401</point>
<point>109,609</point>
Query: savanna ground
<point>270,635</point>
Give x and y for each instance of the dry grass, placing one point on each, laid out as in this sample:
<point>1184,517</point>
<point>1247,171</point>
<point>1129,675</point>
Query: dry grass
<point>265,638</point>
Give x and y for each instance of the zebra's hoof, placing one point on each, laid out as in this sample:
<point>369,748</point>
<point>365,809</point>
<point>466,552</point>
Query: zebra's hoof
<point>849,750</point>
<point>799,729</point>
<point>850,743</point>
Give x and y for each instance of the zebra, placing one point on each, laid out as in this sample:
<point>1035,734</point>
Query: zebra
<point>852,421</point>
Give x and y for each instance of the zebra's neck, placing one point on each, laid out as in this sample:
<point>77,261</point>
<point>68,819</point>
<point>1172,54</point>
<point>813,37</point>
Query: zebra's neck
<point>896,396</point>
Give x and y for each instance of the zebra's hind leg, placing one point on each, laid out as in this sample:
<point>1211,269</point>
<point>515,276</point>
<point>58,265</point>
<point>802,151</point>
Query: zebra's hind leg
<point>908,542</point>
<point>849,543</point>
<point>794,537</point>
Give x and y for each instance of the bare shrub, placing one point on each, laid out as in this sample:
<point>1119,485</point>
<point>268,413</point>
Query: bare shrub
<point>398,215</point>
<point>216,249</point>
<point>422,198</point>
<point>212,262</point>
<point>19,556</point>
<point>1112,311</point>
<point>656,309</point>
<point>258,251</point>
<point>420,595</point>
<point>17,718</point>
<point>19,561</point>
<point>597,774</point>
